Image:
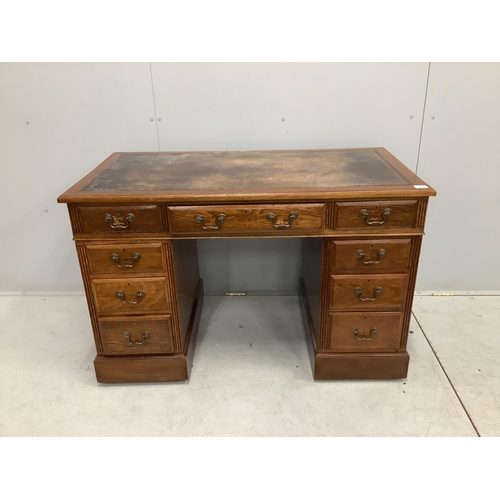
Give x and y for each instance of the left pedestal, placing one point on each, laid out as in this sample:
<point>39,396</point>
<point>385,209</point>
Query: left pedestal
<point>145,296</point>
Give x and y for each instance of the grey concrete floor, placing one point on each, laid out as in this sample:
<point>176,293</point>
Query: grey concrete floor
<point>251,376</point>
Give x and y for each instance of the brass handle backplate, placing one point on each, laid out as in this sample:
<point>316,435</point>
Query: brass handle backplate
<point>365,214</point>
<point>356,333</point>
<point>220,219</point>
<point>380,254</point>
<point>140,295</point>
<point>144,337</point>
<point>280,224</point>
<point>118,222</point>
<point>136,257</point>
<point>359,292</point>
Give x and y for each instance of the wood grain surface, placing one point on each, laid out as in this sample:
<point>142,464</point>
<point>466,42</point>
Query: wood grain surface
<point>158,329</point>
<point>146,219</point>
<point>345,256</point>
<point>155,300</point>
<point>152,368</point>
<point>387,338</point>
<point>361,366</point>
<point>246,218</point>
<point>393,296</point>
<point>347,215</point>
<point>150,261</point>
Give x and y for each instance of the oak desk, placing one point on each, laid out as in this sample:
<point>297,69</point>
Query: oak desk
<point>137,216</point>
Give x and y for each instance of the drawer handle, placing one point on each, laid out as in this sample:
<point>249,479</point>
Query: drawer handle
<point>282,225</point>
<point>355,332</point>
<point>380,254</point>
<point>358,292</point>
<point>140,295</point>
<point>136,257</point>
<point>221,218</point>
<point>385,215</point>
<point>117,222</point>
<point>145,336</point>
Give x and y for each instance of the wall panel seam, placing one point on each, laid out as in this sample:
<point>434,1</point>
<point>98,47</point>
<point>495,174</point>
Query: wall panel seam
<point>423,117</point>
<point>154,105</point>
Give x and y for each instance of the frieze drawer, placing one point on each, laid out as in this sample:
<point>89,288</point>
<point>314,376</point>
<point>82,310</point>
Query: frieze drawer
<point>214,220</point>
<point>375,214</point>
<point>120,220</point>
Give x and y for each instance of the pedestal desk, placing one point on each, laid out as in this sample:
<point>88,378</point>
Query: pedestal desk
<point>136,219</point>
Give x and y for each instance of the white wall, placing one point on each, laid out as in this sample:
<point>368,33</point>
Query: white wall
<point>80,113</point>
<point>460,157</point>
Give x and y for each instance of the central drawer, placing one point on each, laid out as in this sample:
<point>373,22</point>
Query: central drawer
<point>273,219</point>
<point>132,296</point>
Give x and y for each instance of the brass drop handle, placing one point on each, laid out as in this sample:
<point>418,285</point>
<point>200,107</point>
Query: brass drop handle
<point>144,337</point>
<point>136,257</point>
<point>358,292</point>
<point>365,214</point>
<point>355,332</point>
<point>220,219</point>
<point>140,295</point>
<point>282,225</point>
<point>117,222</point>
<point>380,254</point>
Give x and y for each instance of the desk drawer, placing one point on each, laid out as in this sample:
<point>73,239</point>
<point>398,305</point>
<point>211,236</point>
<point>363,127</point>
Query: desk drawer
<point>125,335</point>
<point>132,296</point>
<point>365,332</point>
<point>375,214</point>
<point>385,291</point>
<point>370,255</point>
<point>219,219</point>
<point>120,219</point>
<point>126,258</point>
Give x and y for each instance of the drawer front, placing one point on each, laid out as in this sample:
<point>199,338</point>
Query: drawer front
<point>368,292</point>
<point>126,258</point>
<point>125,335</point>
<point>365,331</point>
<point>371,255</point>
<point>375,214</point>
<point>120,219</point>
<point>132,296</point>
<point>219,219</point>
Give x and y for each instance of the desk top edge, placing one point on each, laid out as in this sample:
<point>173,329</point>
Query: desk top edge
<point>79,194</point>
